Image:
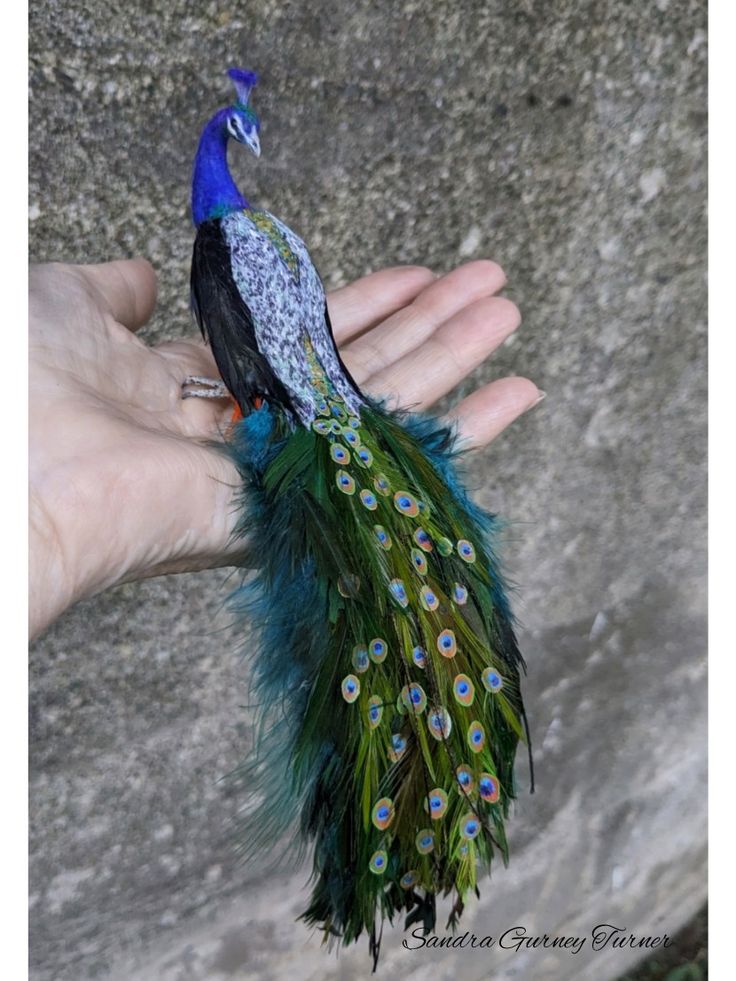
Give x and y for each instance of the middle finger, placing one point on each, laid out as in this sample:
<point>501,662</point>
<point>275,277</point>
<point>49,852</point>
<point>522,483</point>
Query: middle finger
<point>410,327</point>
<point>424,375</point>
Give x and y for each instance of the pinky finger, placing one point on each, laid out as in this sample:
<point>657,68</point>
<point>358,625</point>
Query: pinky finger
<point>486,413</point>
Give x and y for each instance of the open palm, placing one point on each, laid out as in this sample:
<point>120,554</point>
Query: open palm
<point>123,485</point>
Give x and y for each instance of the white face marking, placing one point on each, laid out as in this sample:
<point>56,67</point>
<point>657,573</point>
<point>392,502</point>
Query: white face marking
<point>235,128</point>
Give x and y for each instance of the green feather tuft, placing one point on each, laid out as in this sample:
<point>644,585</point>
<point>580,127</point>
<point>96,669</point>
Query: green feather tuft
<point>327,586</point>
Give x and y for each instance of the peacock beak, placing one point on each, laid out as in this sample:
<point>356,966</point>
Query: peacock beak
<point>254,143</point>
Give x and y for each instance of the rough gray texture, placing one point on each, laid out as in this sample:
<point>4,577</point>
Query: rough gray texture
<point>565,139</point>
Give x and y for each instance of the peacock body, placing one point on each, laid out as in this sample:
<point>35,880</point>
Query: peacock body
<point>387,670</point>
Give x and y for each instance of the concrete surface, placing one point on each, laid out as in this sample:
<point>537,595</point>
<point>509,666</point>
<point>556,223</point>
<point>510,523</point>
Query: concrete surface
<point>566,140</point>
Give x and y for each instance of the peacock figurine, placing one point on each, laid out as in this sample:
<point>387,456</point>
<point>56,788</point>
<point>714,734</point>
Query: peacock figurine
<point>386,673</point>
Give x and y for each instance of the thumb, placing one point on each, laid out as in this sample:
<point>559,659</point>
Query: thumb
<point>127,287</point>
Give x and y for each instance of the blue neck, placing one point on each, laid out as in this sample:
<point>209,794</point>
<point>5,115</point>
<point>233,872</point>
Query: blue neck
<point>213,190</point>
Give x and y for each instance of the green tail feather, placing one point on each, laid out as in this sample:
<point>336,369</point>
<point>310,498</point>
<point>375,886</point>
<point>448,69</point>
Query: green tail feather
<point>388,671</point>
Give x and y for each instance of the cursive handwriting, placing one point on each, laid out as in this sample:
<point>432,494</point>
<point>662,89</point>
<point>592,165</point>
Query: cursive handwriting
<point>518,938</point>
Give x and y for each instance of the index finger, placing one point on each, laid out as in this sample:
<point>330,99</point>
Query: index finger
<point>366,302</point>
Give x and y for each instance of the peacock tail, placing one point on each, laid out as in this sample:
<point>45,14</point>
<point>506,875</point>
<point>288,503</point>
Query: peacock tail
<point>386,671</point>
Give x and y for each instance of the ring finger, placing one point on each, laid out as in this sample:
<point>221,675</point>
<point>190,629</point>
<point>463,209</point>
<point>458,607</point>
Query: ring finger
<point>421,377</point>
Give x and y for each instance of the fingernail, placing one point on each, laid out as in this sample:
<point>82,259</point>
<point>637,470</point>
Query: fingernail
<point>540,398</point>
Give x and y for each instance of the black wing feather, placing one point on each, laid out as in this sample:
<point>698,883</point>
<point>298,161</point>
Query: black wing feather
<point>226,322</point>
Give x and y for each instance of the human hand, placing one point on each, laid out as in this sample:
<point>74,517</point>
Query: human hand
<point>123,485</point>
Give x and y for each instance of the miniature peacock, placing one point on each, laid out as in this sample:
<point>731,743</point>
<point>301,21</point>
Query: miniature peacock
<point>387,669</point>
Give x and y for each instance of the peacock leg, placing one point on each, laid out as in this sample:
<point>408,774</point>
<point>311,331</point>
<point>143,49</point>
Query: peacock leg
<point>197,387</point>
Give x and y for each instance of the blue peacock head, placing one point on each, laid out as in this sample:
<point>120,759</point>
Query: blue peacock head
<point>240,120</point>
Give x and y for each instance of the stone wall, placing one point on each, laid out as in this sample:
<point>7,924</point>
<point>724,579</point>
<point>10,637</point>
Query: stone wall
<point>567,141</point>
